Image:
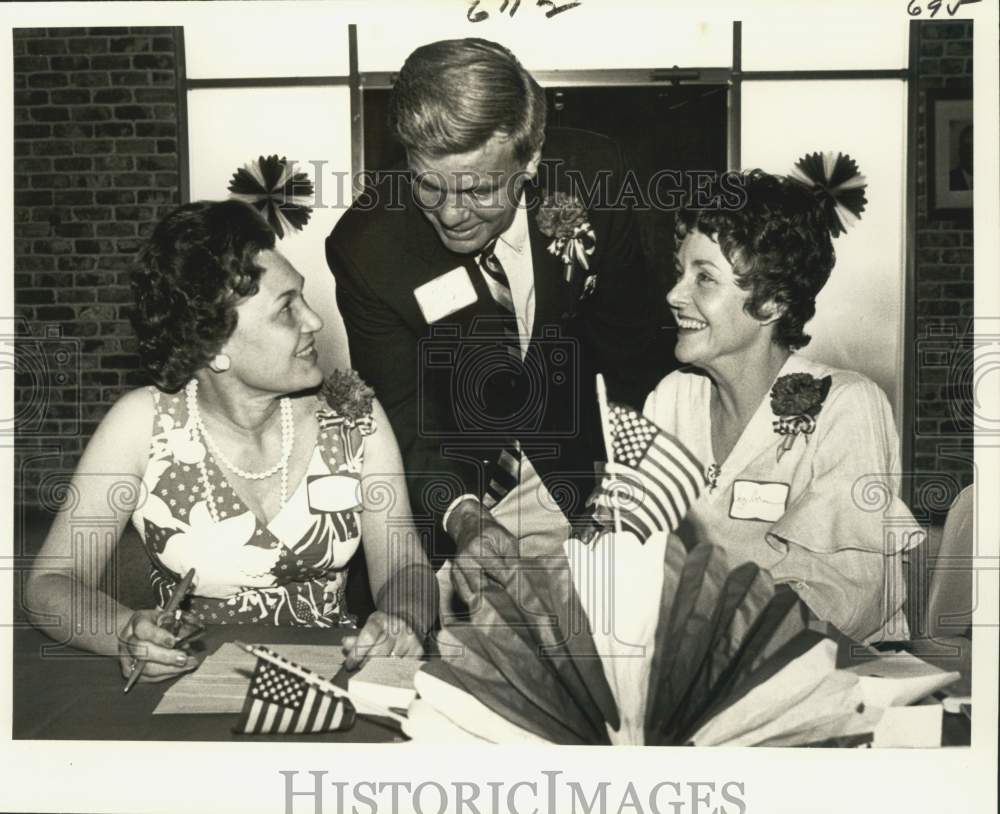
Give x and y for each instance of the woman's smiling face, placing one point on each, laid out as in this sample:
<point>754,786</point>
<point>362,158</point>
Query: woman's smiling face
<point>273,347</point>
<point>713,324</point>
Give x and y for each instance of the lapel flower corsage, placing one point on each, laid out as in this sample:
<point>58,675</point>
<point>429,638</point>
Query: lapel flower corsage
<point>350,398</point>
<point>796,399</point>
<point>564,218</point>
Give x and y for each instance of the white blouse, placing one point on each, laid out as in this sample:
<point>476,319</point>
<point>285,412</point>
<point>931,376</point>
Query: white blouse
<point>825,518</point>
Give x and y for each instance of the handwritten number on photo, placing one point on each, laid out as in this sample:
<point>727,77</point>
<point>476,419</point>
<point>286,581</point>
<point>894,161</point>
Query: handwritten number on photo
<point>475,16</point>
<point>915,9</point>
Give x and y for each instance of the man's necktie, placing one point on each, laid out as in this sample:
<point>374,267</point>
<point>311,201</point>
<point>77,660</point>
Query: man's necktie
<point>505,473</point>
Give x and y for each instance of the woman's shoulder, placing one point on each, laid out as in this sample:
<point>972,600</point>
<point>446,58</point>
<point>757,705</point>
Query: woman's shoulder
<point>842,380</point>
<point>134,405</point>
<point>126,429</point>
<point>852,402</point>
<point>680,384</point>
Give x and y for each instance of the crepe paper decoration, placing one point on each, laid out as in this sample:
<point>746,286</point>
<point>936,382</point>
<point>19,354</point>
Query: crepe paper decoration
<point>287,699</point>
<point>838,185</point>
<point>724,658</point>
<point>273,187</point>
<point>664,478</point>
<point>527,655</point>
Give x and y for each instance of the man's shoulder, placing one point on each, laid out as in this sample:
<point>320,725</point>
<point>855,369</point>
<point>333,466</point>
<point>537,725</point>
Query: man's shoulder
<point>383,199</point>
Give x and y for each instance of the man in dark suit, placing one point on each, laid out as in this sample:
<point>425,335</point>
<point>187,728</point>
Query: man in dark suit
<point>480,342</point>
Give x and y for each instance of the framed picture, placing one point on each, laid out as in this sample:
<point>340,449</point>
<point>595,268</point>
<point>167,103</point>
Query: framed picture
<point>949,152</point>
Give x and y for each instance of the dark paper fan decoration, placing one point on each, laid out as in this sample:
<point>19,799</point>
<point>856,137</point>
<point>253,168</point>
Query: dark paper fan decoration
<point>276,190</point>
<point>528,651</point>
<point>528,654</point>
<point>838,185</point>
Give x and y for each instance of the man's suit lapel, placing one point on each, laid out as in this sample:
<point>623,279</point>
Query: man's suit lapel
<point>553,297</point>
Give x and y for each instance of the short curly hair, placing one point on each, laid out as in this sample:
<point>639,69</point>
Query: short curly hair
<point>778,243</point>
<point>197,264</point>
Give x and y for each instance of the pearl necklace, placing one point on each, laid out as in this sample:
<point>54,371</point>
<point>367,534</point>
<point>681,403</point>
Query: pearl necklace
<point>287,444</point>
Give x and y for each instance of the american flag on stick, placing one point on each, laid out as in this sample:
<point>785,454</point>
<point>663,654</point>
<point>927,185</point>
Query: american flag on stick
<point>663,480</point>
<point>286,698</point>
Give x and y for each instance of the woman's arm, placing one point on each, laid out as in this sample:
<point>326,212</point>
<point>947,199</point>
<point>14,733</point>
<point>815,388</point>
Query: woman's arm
<point>401,579</point>
<point>62,591</point>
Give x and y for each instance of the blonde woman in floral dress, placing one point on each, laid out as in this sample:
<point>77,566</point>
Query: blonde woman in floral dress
<point>801,458</point>
<point>236,463</point>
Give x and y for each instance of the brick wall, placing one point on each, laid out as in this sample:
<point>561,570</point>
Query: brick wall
<point>95,165</point>
<point>942,442</point>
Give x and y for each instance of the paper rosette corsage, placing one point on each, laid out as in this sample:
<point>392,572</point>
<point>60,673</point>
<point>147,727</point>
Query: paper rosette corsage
<point>563,217</point>
<point>838,185</point>
<point>652,644</point>
<point>273,187</point>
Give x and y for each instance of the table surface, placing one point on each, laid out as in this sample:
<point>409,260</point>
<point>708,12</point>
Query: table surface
<point>61,693</point>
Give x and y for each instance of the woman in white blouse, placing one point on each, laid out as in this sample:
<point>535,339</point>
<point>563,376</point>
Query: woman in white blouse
<point>801,457</point>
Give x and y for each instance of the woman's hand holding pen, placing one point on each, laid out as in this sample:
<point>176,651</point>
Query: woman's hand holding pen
<point>148,636</point>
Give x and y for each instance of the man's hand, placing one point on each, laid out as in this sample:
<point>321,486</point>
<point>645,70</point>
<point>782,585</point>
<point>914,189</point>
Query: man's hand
<point>382,635</point>
<point>485,549</point>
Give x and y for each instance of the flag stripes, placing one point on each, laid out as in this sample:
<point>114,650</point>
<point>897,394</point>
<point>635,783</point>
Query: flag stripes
<point>282,701</point>
<point>665,478</point>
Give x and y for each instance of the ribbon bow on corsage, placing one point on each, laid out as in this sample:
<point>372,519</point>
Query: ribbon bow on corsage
<point>563,217</point>
<point>796,400</point>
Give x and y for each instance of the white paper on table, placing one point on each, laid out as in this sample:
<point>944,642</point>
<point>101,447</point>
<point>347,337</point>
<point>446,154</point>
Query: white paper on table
<point>385,681</point>
<point>463,711</point>
<point>899,679</point>
<point>913,727</point>
<point>220,683</point>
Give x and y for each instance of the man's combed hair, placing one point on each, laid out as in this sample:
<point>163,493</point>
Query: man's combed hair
<point>779,246</point>
<point>197,264</point>
<point>452,96</point>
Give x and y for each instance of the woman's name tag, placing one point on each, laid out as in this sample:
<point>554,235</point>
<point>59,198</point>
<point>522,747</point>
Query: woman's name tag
<point>333,493</point>
<point>756,500</point>
<point>445,295</point>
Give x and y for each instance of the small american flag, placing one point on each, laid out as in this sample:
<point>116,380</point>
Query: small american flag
<point>665,479</point>
<point>290,701</point>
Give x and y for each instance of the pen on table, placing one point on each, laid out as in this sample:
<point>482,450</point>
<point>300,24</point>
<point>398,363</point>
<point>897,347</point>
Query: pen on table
<point>173,604</point>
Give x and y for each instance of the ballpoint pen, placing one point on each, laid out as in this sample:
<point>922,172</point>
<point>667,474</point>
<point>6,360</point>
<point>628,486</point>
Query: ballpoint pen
<point>173,606</point>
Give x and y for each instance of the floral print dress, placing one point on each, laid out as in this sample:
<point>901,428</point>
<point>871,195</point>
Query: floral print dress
<point>289,571</point>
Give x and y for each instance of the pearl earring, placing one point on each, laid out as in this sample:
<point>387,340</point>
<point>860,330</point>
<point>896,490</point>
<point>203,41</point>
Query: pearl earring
<point>220,363</point>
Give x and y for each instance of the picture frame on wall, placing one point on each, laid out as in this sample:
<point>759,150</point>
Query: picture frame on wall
<point>949,152</point>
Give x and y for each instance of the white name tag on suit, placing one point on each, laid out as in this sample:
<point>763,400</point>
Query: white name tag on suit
<point>754,500</point>
<point>445,295</point>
